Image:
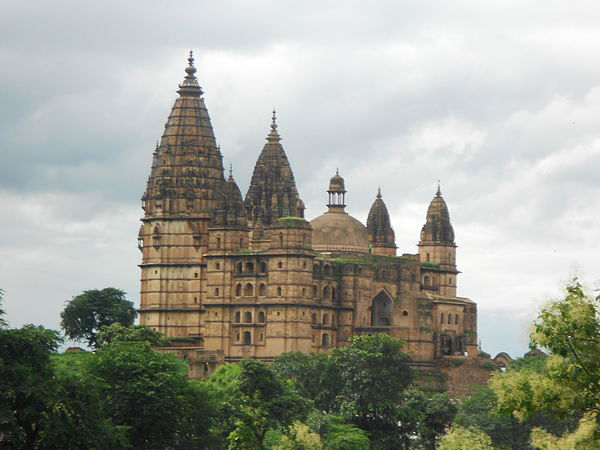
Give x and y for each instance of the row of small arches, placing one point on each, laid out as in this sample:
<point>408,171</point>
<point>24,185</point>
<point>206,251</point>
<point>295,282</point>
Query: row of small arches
<point>248,317</point>
<point>248,291</point>
<point>246,339</point>
<point>450,320</point>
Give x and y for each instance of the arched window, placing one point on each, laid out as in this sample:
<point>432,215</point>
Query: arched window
<point>263,267</point>
<point>238,290</point>
<point>249,267</point>
<point>456,320</point>
<point>449,318</point>
<point>280,265</point>
<point>218,242</point>
<point>217,292</point>
<point>239,268</point>
<point>326,292</point>
<point>427,280</point>
<point>442,318</point>
<point>156,237</point>
<point>381,310</point>
<point>332,293</point>
<point>303,292</point>
<point>279,292</point>
<point>247,338</point>
<point>325,319</point>
<point>197,242</point>
<point>238,337</point>
<point>249,290</point>
<point>326,270</point>
<point>262,290</point>
<point>314,318</point>
<point>405,313</point>
<point>325,340</point>
<point>247,317</point>
<point>237,317</point>
<point>316,270</point>
<point>261,317</point>
<point>427,257</point>
<point>281,239</point>
<point>314,291</point>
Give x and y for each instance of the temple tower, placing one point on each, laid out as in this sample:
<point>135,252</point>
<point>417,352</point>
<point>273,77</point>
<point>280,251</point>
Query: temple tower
<point>437,250</point>
<point>185,183</point>
<point>272,193</point>
<point>381,234</point>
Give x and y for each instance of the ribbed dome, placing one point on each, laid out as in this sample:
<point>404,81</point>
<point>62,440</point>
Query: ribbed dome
<point>339,232</point>
<point>230,208</point>
<point>379,225</point>
<point>337,183</point>
<point>336,230</point>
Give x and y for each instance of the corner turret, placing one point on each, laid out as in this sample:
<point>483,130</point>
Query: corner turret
<point>437,250</point>
<point>379,227</point>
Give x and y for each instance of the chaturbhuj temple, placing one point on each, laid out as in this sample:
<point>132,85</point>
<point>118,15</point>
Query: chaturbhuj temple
<point>226,276</point>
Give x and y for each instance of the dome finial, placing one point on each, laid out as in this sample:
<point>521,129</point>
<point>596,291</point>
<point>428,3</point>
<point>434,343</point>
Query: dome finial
<point>379,192</point>
<point>439,191</point>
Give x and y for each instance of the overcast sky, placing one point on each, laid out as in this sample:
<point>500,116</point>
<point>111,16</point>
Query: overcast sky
<point>500,100</point>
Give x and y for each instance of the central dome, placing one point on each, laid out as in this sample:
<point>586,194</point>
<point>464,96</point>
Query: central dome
<point>336,230</point>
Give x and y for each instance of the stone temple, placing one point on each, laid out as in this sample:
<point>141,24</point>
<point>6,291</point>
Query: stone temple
<point>227,277</point>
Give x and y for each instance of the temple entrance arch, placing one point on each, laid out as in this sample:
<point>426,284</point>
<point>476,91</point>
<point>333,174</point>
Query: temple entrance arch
<point>381,310</point>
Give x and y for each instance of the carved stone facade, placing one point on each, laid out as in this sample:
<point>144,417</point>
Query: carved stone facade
<point>226,278</point>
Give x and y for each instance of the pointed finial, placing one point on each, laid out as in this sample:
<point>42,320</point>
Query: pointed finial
<point>337,170</point>
<point>379,192</point>
<point>439,191</point>
<point>190,86</point>
<point>273,135</point>
<point>274,121</point>
<point>230,171</point>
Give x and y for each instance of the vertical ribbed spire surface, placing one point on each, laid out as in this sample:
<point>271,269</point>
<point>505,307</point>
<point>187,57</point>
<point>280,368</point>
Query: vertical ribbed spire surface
<point>230,208</point>
<point>272,193</point>
<point>437,226</point>
<point>187,166</point>
<point>379,225</point>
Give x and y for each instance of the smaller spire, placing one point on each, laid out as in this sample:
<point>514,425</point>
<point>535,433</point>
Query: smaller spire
<point>379,192</point>
<point>337,170</point>
<point>439,191</point>
<point>230,171</point>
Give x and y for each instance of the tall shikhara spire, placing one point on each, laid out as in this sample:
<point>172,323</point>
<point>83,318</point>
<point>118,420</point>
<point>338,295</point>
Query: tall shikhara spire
<point>185,185</point>
<point>187,168</point>
<point>272,193</point>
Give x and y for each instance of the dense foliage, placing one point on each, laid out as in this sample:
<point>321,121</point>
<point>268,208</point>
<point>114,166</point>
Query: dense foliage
<point>87,313</point>
<point>128,395</point>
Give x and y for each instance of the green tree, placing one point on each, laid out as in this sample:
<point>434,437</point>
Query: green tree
<point>431,415</point>
<point>44,406</point>
<point>459,438</point>
<point>132,333</point>
<point>87,313</point>
<point>374,374</point>
<point>256,400</point>
<point>149,393</point>
<point>27,383</point>
<point>314,375</point>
